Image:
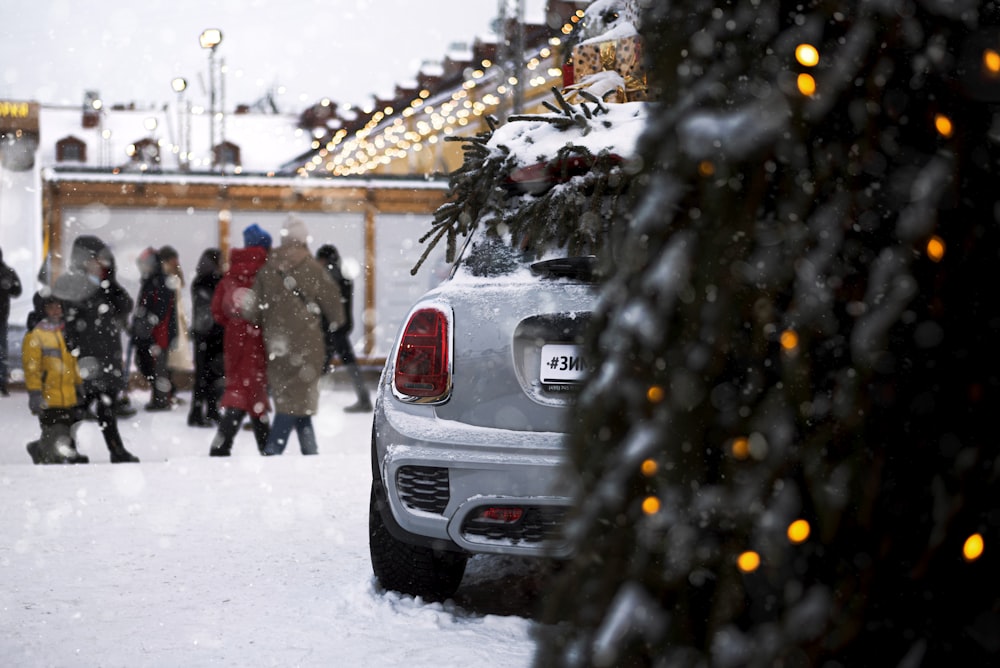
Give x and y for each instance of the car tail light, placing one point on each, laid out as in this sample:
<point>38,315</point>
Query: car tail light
<point>423,363</point>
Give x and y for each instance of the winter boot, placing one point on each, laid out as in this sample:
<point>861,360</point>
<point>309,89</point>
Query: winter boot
<point>157,405</point>
<point>119,455</point>
<point>221,446</point>
<point>123,456</point>
<point>196,418</point>
<point>76,457</point>
<point>364,403</point>
<point>229,426</point>
<point>261,430</point>
<point>40,454</point>
<point>35,450</point>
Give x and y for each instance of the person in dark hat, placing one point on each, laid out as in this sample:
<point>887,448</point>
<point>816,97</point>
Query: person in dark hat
<point>10,288</point>
<point>96,309</point>
<point>338,342</point>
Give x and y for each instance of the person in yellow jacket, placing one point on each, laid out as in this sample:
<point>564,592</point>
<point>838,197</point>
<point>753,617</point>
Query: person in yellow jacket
<point>52,378</point>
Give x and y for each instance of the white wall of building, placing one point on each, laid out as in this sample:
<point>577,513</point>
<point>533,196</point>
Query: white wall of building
<point>21,232</point>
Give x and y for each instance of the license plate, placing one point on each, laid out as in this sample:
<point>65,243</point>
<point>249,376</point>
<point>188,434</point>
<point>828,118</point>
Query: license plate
<point>561,363</point>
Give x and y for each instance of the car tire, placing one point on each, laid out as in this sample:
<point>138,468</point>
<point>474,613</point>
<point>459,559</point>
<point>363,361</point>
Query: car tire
<point>415,570</point>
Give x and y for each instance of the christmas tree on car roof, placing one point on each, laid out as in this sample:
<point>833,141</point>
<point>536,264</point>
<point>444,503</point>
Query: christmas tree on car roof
<point>560,179</point>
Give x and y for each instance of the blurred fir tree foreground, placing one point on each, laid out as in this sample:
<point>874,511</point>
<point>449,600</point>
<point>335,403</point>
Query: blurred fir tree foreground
<point>786,447</point>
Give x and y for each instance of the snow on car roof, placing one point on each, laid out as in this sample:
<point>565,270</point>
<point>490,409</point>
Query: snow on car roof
<point>617,131</point>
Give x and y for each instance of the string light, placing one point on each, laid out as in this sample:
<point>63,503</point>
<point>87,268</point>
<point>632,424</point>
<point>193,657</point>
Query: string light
<point>935,248</point>
<point>806,84</point>
<point>651,505</point>
<point>362,143</point>
<point>943,125</point>
<point>991,62</point>
<point>798,531</point>
<point>649,468</point>
<point>741,448</point>
<point>748,561</point>
<point>655,394</point>
<point>973,547</point>
<point>789,340</point>
<point>807,55</point>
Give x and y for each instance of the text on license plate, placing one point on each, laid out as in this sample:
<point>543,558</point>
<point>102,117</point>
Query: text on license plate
<point>561,363</point>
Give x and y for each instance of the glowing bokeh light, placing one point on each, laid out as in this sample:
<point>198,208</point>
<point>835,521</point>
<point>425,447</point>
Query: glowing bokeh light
<point>741,448</point>
<point>789,340</point>
<point>943,125</point>
<point>807,84</point>
<point>798,531</point>
<point>649,468</point>
<point>748,561</point>
<point>935,248</point>
<point>807,55</point>
<point>973,547</point>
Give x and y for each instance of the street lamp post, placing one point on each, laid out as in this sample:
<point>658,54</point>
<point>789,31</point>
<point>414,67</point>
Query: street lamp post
<point>210,39</point>
<point>179,84</point>
<point>105,151</point>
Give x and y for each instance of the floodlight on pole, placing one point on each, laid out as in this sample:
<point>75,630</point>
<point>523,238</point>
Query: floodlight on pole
<point>179,84</point>
<point>210,39</point>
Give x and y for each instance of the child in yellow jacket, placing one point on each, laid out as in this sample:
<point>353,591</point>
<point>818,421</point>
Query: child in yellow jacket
<point>52,376</point>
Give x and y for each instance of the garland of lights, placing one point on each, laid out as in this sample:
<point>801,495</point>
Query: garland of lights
<point>385,137</point>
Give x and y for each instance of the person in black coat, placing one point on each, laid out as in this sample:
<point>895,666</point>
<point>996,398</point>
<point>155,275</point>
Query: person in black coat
<point>153,329</point>
<point>10,288</point>
<point>96,308</point>
<point>338,342</point>
<point>206,335</point>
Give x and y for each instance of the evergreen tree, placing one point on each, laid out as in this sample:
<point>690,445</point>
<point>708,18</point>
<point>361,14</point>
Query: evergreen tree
<point>786,450</point>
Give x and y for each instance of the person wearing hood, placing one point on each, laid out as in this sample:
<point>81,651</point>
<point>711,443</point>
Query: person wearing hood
<point>179,359</point>
<point>96,309</point>
<point>291,295</point>
<point>243,347</point>
<point>10,288</point>
<point>206,334</point>
<point>153,329</point>
<point>338,342</point>
<point>52,378</point>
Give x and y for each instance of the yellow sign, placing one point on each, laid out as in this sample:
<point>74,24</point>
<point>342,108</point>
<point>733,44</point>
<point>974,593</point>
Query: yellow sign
<point>17,115</point>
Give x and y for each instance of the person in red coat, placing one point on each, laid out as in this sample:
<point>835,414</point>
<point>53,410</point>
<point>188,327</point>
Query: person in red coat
<point>243,346</point>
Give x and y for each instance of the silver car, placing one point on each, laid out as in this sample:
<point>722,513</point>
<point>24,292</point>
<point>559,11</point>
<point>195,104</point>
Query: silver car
<point>471,416</point>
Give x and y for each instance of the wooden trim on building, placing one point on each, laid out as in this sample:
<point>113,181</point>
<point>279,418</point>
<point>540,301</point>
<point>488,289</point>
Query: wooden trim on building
<point>225,194</point>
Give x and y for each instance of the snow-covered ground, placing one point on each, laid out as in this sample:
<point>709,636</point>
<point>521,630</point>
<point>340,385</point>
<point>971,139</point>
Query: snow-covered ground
<point>187,560</point>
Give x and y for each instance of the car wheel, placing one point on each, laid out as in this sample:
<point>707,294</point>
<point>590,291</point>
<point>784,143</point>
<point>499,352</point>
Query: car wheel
<point>415,570</point>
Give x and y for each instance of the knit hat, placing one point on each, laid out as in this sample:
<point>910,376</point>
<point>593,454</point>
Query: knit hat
<point>254,235</point>
<point>294,231</point>
<point>329,254</point>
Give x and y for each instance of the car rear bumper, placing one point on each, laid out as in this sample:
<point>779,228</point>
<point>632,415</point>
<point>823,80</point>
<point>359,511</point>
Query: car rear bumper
<point>438,481</point>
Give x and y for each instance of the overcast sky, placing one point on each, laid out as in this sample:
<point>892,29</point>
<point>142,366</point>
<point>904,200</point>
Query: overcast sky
<point>52,51</point>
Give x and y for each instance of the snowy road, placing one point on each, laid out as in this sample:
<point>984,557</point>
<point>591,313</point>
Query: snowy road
<point>186,560</point>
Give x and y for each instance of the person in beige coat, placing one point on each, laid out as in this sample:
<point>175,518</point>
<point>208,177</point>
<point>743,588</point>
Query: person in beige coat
<point>290,293</point>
